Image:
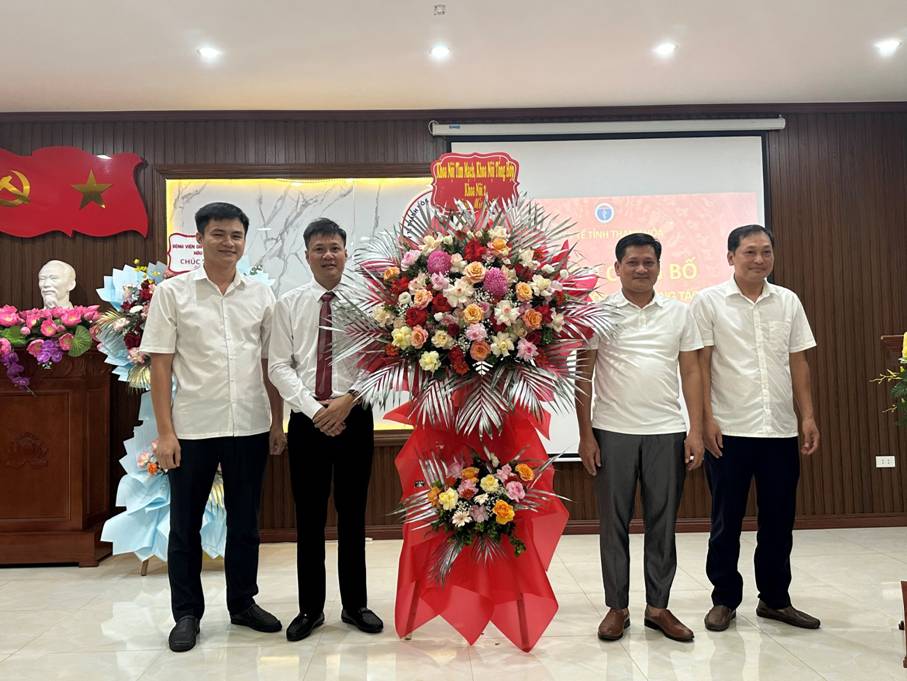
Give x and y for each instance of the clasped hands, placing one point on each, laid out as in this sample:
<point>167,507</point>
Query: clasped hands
<point>331,418</point>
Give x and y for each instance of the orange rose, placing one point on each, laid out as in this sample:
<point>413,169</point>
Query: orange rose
<point>422,298</point>
<point>391,273</point>
<point>433,495</point>
<point>503,512</point>
<point>479,351</point>
<point>470,473</point>
<point>474,272</point>
<point>152,468</point>
<point>532,319</point>
<point>473,314</point>
<point>418,337</point>
<point>525,472</point>
<point>499,245</point>
<point>523,292</point>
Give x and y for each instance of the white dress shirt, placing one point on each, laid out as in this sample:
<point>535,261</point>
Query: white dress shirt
<point>293,356</point>
<point>217,342</point>
<point>752,394</point>
<point>637,388</point>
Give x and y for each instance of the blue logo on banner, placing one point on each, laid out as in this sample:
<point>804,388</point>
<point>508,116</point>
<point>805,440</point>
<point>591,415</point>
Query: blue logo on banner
<point>604,212</point>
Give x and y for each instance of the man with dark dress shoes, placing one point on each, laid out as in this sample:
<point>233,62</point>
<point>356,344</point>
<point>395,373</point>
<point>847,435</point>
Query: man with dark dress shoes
<point>331,436</point>
<point>636,434</point>
<point>754,369</point>
<point>207,333</point>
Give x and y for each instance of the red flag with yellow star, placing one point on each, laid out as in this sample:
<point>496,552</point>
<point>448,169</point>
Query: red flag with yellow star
<point>64,189</point>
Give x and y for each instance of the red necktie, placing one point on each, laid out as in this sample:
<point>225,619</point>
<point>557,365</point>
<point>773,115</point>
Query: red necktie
<point>323,388</point>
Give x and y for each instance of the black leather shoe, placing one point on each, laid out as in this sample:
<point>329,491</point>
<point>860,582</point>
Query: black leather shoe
<point>184,634</point>
<point>363,619</point>
<point>303,625</point>
<point>258,619</point>
<point>789,615</point>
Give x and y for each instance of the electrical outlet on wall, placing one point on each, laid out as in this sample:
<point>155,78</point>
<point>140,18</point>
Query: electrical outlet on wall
<point>884,462</point>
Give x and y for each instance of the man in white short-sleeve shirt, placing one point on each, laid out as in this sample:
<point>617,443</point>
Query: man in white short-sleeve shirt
<point>636,432</point>
<point>754,368</point>
<point>207,333</point>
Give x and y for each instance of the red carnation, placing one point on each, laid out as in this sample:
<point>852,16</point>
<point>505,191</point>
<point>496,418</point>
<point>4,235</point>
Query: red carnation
<point>474,250</point>
<point>467,493</point>
<point>535,338</point>
<point>416,317</point>
<point>439,303</point>
<point>523,273</point>
<point>559,298</point>
<point>545,311</point>
<point>400,285</point>
<point>453,330</point>
<point>132,340</point>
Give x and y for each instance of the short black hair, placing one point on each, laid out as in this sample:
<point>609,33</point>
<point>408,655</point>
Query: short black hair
<point>219,211</point>
<point>737,235</point>
<point>323,227</point>
<point>637,239</point>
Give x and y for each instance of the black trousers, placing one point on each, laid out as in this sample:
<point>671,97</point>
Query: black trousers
<point>318,462</point>
<point>242,461</point>
<point>775,464</point>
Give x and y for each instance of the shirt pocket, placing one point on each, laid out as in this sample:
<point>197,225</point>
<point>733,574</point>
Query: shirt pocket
<point>779,336</point>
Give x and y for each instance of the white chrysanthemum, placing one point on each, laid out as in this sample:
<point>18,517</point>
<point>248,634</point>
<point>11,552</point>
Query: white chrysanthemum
<point>460,293</point>
<point>461,518</point>
<point>404,299</point>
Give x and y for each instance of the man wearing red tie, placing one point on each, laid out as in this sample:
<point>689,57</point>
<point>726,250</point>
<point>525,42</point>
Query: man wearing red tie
<point>330,435</point>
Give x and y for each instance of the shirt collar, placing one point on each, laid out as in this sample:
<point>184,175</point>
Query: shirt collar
<point>238,279</point>
<point>320,290</point>
<point>620,300</point>
<point>731,288</point>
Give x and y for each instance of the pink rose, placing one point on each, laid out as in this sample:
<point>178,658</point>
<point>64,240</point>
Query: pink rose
<point>409,259</point>
<point>515,490</point>
<point>71,317</point>
<point>479,514</point>
<point>419,336</point>
<point>439,282</point>
<point>469,484</point>
<point>504,473</point>
<point>5,347</point>
<point>66,342</point>
<point>34,348</point>
<point>9,316</point>
<point>476,332</point>
<point>48,328</point>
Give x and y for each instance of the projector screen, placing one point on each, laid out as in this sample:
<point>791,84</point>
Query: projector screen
<point>688,192</point>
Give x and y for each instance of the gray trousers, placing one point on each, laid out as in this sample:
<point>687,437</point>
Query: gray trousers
<point>656,461</point>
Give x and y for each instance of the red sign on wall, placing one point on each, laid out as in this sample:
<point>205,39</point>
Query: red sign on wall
<point>475,179</point>
<point>64,189</point>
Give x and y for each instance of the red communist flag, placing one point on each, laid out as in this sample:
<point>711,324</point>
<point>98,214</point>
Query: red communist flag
<point>64,189</point>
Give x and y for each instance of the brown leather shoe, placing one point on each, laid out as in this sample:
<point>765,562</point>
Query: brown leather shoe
<point>667,624</point>
<point>719,618</point>
<point>789,615</point>
<point>612,627</point>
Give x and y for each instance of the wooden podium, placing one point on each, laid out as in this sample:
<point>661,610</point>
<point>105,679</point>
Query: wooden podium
<point>54,463</point>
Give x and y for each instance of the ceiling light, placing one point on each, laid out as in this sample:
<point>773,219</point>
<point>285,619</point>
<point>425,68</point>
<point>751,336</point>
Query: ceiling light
<point>440,10</point>
<point>208,53</point>
<point>665,50</point>
<point>104,156</point>
<point>888,46</point>
<point>440,52</point>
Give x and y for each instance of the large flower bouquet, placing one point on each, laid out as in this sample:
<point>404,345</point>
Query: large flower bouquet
<point>46,334</point>
<point>474,312</point>
<point>120,329</point>
<point>897,381</point>
<point>475,503</point>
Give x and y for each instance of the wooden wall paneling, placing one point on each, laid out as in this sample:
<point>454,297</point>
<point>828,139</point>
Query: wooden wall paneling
<point>836,176</point>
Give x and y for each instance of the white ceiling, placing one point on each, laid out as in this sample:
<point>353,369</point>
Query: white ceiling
<point>109,55</point>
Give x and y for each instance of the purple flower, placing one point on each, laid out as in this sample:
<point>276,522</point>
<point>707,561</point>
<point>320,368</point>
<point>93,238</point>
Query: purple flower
<point>496,283</point>
<point>14,369</point>
<point>439,262</point>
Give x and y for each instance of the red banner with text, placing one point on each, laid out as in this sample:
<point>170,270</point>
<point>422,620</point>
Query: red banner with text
<point>64,189</point>
<point>475,179</point>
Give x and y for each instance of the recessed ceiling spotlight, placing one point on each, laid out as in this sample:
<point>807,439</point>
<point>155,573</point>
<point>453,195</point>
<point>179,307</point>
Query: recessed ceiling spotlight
<point>665,50</point>
<point>888,46</point>
<point>209,54</point>
<point>440,10</point>
<point>440,52</point>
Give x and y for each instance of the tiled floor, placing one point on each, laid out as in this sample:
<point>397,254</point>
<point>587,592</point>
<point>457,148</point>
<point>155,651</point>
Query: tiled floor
<point>111,623</point>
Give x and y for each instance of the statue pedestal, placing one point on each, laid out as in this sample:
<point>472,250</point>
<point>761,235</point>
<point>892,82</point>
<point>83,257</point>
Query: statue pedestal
<point>54,463</point>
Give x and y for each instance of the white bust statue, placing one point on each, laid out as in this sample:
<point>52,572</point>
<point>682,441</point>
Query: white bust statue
<point>56,279</point>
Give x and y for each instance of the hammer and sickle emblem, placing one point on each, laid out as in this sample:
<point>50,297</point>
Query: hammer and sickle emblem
<point>20,193</point>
